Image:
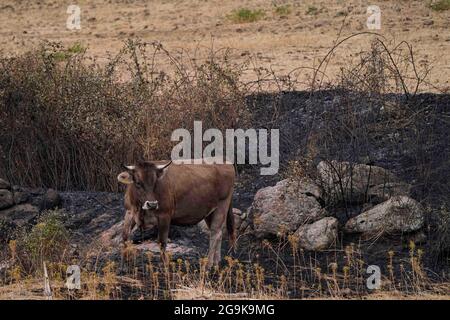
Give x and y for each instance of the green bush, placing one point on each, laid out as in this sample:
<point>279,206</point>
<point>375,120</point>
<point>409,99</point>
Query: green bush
<point>48,240</point>
<point>245,15</point>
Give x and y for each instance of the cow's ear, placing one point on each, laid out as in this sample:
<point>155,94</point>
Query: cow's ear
<point>130,168</point>
<point>161,169</point>
<point>125,178</point>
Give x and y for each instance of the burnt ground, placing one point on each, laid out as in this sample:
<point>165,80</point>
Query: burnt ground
<point>299,116</point>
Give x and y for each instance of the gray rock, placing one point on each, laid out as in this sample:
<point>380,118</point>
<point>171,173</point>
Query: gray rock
<point>112,236</point>
<point>398,214</point>
<point>4,184</point>
<point>21,214</point>
<point>318,235</point>
<point>51,200</point>
<point>307,186</point>
<point>283,208</point>
<point>347,182</point>
<point>6,199</point>
<point>383,192</point>
<point>21,197</point>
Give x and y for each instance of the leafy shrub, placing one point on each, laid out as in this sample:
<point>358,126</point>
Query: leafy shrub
<point>48,241</point>
<point>245,15</point>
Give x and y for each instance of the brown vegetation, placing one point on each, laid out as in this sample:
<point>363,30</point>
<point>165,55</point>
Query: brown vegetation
<point>62,115</point>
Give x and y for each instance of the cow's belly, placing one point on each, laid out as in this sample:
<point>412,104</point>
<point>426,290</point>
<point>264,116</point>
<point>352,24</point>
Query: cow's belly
<point>191,216</point>
<point>186,217</point>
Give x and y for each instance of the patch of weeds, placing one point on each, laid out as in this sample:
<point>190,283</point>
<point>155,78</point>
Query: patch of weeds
<point>48,240</point>
<point>312,10</point>
<point>441,5</point>
<point>283,10</point>
<point>341,13</point>
<point>245,15</point>
<point>76,49</point>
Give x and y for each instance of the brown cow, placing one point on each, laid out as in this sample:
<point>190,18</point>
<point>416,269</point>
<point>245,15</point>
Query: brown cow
<point>161,193</point>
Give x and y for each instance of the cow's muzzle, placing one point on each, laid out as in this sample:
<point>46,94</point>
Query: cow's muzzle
<point>150,205</point>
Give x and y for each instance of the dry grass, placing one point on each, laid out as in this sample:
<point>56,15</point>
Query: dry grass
<point>150,279</point>
<point>283,41</point>
<point>70,123</point>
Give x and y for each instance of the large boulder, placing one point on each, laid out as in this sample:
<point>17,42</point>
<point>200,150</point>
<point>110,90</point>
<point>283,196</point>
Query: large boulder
<point>4,184</point>
<point>318,235</point>
<point>385,191</point>
<point>284,208</point>
<point>6,199</point>
<point>20,197</point>
<point>396,215</point>
<point>355,183</point>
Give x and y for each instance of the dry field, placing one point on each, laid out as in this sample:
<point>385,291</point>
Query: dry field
<point>285,34</point>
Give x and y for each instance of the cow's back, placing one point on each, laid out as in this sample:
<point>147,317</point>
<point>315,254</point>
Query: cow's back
<point>197,189</point>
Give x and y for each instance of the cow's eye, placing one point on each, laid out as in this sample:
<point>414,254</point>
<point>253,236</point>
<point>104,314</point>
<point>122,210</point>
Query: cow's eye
<point>139,184</point>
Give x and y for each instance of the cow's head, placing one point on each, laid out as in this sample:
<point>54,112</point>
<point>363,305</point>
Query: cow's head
<point>143,178</point>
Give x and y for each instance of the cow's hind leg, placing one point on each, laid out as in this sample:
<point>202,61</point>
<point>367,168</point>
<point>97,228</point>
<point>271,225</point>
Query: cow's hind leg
<point>216,221</point>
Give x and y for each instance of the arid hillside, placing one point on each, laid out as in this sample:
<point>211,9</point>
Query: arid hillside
<point>281,34</point>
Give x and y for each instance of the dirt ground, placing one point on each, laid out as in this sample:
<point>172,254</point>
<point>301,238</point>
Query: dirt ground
<point>298,37</point>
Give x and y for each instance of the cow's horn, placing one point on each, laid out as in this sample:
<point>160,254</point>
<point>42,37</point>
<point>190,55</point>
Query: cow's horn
<point>163,166</point>
<point>130,167</point>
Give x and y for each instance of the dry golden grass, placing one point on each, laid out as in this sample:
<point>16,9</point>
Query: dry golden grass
<point>283,41</point>
<point>131,278</point>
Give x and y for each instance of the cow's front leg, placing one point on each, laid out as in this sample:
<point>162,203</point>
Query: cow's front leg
<point>163,234</point>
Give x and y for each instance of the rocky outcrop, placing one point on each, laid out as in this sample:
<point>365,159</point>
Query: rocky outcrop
<point>358,183</point>
<point>396,215</point>
<point>20,215</point>
<point>383,192</point>
<point>21,197</point>
<point>318,235</point>
<point>21,206</point>
<point>284,207</point>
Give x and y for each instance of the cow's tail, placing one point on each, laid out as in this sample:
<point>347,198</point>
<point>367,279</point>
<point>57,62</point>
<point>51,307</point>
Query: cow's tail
<point>231,228</point>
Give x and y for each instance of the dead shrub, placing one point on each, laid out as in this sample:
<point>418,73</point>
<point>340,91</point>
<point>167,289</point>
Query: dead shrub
<point>68,123</point>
